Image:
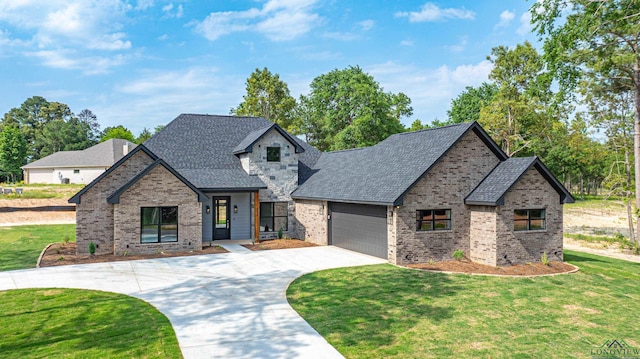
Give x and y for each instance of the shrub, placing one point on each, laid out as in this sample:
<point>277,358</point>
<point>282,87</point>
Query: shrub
<point>458,254</point>
<point>66,240</point>
<point>544,259</point>
<point>280,232</point>
<point>92,248</point>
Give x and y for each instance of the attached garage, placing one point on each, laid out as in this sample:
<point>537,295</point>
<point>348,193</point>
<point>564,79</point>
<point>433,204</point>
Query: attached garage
<point>358,227</point>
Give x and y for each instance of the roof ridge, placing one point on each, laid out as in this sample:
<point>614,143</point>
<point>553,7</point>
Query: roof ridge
<point>435,128</point>
<point>225,116</point>
<point>351,149</point>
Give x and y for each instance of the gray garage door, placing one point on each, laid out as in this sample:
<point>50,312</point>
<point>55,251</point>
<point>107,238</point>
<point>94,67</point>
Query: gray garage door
<point>360,228</point>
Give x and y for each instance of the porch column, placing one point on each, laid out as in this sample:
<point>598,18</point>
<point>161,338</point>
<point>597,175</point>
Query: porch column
<point>256,213</point>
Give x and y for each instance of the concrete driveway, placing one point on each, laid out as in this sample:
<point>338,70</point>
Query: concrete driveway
<point>230,305</point>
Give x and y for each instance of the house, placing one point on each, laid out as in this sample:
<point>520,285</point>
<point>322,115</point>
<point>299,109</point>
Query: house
<point>413,197</point>
<point>77,166</point>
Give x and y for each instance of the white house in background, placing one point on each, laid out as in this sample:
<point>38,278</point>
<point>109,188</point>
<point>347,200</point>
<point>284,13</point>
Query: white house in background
<point>77,166</point>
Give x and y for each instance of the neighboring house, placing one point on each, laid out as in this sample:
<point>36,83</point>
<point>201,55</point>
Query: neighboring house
<point>413,197</point>
<point>77,166</point>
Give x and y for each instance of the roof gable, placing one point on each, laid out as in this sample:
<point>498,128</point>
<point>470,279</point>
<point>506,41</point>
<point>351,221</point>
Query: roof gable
<point>384,173</point>
<point>115,197</point>
<point>493,188</point>
<point>246,145</point>
<point>77,197</point>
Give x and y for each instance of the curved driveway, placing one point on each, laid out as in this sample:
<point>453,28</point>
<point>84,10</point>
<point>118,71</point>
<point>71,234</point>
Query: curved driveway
<point>230,305</point>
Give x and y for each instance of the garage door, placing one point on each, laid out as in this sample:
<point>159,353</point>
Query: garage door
<point>360,228</point>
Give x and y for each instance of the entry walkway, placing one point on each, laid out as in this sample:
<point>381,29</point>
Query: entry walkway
<point>230,305</point>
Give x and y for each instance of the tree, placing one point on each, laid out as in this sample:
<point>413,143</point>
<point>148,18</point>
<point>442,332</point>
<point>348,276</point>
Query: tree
<point>595,38</point>
<point>144,135</point>
<point>417,125</point>
<point>516,116</point>
<point>348,109</point>
<point>13,152</point>
<point>117,132</point>
<point>267,96</point>
<point>466,107</point>
<point>87,117</point>
<point>60,135</point>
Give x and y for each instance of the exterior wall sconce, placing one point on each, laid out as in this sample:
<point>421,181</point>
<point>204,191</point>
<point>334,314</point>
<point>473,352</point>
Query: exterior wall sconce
<point>208,209</point>
<point>235,209</point>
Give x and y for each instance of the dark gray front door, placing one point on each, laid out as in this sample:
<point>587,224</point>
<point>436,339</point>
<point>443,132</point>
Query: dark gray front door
<point>360,228</point>
<point>221,222</point>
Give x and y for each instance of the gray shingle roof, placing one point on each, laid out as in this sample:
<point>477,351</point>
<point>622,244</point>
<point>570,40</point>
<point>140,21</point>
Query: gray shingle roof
<point>200,147</point>
<point>103,154</point>
<point>382,174</point>
<point>492,189</point>
<point>505,175</point>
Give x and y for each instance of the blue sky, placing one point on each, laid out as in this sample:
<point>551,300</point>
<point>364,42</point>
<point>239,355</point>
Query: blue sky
<point>142,63</point>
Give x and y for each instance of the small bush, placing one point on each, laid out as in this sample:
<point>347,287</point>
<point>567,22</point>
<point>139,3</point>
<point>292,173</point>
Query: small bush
<point>66,240</point>
<point>280,232</point>
<point>92,248</point>
<point>544,259</point>
<point>458,254</point>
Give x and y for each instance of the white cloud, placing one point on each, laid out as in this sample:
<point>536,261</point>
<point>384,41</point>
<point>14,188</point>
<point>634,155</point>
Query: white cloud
<point>343,36</point>
<point>525,24</point>
<point>432,12</point>
<point>69,60</point>
<point>278,20</point>
<point>432,89</point>
<point>406,42</point>
<point>505,18</point>
<point>460,46</point>
<point>366,25</point>
<point>168,13</point>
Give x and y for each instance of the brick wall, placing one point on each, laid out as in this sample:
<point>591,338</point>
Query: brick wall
<point>444,187</point>
<point>531,192</point>
<point>94,216</point>
<point>158,188</point>
<point>482,235</point>
<point>313,225</point>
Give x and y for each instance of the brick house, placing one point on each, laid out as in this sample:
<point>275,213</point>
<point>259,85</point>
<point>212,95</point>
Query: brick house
<point>413,197</point>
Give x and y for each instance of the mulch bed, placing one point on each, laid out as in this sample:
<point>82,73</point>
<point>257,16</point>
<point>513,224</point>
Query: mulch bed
<point>468,267</point>
<point>265,245</point>
<point>60,254</point>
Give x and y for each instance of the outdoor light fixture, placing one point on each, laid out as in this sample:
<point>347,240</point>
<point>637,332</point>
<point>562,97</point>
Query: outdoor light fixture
<point>208,209</point>
<point>235,209</point>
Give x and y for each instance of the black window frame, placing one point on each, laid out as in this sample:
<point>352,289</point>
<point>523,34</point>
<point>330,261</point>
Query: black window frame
<point>420,220</point>
<point>159,224</point>
<point>542,217</point>
<point>271,152</point>
<point>270,220</point>
<point>76,171</point>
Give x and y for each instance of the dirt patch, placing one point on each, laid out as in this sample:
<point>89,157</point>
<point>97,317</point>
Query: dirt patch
<point>23,217</point>
<point>525,270</point>
<point>278,244</point>
<point>60,254</point>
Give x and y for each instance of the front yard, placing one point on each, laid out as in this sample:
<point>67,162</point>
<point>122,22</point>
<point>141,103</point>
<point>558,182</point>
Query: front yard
<point>20,246</point>
<point>385,311</point>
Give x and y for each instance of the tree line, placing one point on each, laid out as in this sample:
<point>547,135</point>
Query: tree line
<point>38,128</point>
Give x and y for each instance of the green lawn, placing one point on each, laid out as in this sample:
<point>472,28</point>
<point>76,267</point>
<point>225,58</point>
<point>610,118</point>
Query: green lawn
<point>20,246</point>
<point>73,323</point>
<point>385,311</point>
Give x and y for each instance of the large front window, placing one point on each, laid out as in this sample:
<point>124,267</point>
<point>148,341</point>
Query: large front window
<point>529,219</point>
<point>159,224</point>
<point>273,216</point>
<point>433,220</point>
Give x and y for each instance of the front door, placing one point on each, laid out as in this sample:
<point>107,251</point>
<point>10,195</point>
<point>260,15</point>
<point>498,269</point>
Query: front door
<point>221,222</point>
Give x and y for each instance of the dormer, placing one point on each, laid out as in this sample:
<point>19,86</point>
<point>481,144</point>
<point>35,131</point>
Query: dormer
<point>271,148</point>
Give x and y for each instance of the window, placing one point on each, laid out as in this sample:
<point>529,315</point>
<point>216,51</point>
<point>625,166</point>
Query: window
<point>273,216</point>
<point>273,154</point>
<point>76,171</point>
<point>159,224</point>
<point>529,219</point>
<point>433,220</point>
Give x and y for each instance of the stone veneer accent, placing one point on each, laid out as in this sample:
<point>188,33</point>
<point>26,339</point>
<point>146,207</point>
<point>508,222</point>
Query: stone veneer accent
<point>281,177</point>
<point>313,225</point>
<point>94,216</point>
<point>158,188</point>
<point>531,192</point>
<point>444,187</point>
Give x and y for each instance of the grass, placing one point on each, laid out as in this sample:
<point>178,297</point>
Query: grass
<point>41,191</point>
<point>597,202</point>
<point>20,246</point>
<point>73,323</point>
<point>618,239</point>
<point>384,311</point>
